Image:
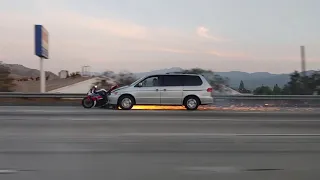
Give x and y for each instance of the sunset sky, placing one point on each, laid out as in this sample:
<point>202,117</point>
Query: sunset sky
<point>143,35</point>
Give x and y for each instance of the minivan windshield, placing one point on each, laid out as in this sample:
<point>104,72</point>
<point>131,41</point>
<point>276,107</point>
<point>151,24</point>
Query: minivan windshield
<point>135,82</point>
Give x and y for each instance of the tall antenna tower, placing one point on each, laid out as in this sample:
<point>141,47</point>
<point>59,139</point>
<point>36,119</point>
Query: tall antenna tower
<point>86,71</point>
<point>303,60</point>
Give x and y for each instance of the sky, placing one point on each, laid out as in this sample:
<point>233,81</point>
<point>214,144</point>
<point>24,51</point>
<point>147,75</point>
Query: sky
<point>144,35</point>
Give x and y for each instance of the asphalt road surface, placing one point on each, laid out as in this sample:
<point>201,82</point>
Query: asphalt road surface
<point>76,144</point>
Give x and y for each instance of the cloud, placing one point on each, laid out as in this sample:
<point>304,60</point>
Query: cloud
<point>178,51</point>
<point>108,26</point>
<point>229,54</point>
<point>76,37</point>
<point>74,29</point>
<point>97,37</point>
<point>204,33</point>
<point>220,54</point>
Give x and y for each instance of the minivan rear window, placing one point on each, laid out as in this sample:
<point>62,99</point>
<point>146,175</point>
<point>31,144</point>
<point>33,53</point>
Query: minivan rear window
<point>192,81</point>
<point>172,80</point>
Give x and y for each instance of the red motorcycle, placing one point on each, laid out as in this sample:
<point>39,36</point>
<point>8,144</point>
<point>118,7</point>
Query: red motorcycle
<point>97,98</point>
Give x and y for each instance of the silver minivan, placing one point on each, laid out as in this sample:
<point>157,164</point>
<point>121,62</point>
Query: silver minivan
<point>190,90</point>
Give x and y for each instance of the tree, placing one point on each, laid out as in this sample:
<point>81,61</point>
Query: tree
<point>242,89</point>
<point>241,86</point>
<point>125,78</point>
<point>286,90</point>
<point>110,78</point>
<point>295,84</point>
<point>75,74</point>
<point>6,82</point>
<point>302,85</point>
<point>108,73</point>
<point>276,90</point>
<point>298,85</point>
<point>216,81</point>
<point>314,83</point>
<point>263,90</point>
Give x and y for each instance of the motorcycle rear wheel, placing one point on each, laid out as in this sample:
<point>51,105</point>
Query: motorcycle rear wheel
<point>87,103</point>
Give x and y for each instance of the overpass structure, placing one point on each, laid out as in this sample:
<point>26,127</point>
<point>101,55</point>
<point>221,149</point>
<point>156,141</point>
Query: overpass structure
<point>80,87</point>
<point>83,87</point>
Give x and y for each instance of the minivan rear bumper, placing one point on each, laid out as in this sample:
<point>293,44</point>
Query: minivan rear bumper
<point>206,100</point>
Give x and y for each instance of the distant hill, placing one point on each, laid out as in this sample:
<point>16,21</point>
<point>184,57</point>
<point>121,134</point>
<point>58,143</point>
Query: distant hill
<point>160,71</point>
<point>254,80</point>
<point>224,91</point>
<point>20,71</point>
<point>251,80</point>
<point>54,82</point>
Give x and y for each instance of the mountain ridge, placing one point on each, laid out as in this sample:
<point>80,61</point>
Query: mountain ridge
<point>251,80</point>
<point>21,71</point>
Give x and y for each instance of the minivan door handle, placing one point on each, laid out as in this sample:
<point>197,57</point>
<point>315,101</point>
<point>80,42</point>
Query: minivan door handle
<point>164,89</point>
<point>157,89</point>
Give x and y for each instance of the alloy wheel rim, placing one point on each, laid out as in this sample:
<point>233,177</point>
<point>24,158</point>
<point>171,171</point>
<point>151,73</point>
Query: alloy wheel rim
<point>191,103</point>
<point>126,102</point>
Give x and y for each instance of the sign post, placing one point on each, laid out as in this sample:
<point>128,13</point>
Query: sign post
<point>42,77</point>
<point>42,51</point>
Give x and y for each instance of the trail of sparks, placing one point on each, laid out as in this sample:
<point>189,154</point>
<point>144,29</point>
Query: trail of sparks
<point>204,108</point>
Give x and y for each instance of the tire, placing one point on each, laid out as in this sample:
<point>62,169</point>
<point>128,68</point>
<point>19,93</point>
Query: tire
<point>191,103</point>
<point>126,102</point>
<point>87,105</point>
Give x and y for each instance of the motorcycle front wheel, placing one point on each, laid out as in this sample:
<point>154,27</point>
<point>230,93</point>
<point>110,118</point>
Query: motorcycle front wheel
<point>87,103</point>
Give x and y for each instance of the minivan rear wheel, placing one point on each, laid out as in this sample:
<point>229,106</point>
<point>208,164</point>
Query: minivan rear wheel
<point>191,103</point>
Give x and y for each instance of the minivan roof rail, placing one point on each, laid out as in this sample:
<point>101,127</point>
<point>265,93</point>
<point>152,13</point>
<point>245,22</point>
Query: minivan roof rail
<point>184,73</point>
<point>175,73</point>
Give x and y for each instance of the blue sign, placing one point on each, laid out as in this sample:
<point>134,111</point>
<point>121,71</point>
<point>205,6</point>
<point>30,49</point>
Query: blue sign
<point>41,42</point>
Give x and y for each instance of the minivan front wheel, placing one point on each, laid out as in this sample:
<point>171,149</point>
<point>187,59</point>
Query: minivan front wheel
<point>191,103</point>
<point>126,102</point>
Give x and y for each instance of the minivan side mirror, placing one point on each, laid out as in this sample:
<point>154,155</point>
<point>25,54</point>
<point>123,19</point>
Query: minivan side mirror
<point>140,85</point>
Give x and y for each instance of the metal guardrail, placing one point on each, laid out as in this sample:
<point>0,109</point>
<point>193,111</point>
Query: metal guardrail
<point>41,95</point>
<point>269,97</point>
<point>228,97</point>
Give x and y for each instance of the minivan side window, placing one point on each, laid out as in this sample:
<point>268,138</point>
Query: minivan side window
<point>151,81</point>
<point>192,81</point>
<point>172,80</point>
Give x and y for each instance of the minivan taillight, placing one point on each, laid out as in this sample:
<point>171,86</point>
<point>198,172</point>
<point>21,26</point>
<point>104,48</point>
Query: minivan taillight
<point>209,90</point>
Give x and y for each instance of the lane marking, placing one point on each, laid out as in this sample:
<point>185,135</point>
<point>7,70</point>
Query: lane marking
<point>75,110</point>
<point>7,171</point>
<point>189,135</point>
<point>211,134</point>
<point>17,118</point>
<point>228,169</point>
<point>213,169</point>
